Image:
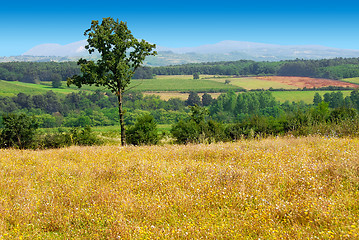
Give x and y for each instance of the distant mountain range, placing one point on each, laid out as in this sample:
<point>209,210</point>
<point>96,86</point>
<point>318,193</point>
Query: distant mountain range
<point>53,49</point>
<point>222,51</point>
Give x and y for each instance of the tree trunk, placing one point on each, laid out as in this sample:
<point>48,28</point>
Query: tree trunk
<point>122,123</point>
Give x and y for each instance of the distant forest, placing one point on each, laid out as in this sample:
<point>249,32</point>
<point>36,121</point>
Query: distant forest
<point>338,68</point>
<point>34,72</point>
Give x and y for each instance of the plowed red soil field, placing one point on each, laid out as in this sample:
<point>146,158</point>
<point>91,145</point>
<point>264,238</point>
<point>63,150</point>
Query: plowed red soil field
<point>307,82</point>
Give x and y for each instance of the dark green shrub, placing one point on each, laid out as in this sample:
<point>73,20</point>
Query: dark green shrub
<point>19,131</point>
<point>186,132</point>
<point>83,137</point>
<point>196,75</point>
<point>197,129</point>
<point>76,136</point>
<point>56,80</point>
<point>144,132</point>
<point>340,114</point>
<point>57,140</point>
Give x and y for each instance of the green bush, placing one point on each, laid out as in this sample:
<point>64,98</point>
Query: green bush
<point>83,137</point>
<point>56,140</point>
<point>197,129</point>
<point>76,136</point>
<point>19,131</point>
<point>144,132</point>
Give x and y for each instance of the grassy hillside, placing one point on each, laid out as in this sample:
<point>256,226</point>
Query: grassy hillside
<point>12,88</point>
<point>8,88</point>
<point>283,188</point>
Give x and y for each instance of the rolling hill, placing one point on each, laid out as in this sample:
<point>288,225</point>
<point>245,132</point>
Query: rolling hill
<point>221,51</point>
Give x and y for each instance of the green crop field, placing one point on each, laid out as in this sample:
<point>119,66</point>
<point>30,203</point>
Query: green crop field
<point>182,83</point>
<point>305,96</point>
<point>351,80</point>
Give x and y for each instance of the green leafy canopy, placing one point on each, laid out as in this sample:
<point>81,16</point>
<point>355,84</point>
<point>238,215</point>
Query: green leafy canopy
<point>121,54</point>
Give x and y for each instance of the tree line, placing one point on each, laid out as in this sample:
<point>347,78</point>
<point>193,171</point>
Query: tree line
<point>34,72</point>
<point>336,68</point>
<point>197,119</point>
<point>99,108</point>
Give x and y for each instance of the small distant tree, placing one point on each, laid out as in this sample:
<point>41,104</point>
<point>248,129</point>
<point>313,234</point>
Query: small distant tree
<point>23,100</point>
<point>227,81</point>
<point>206,99</point>
<point>56,80</point>
<point>196,76</point>
<point>317,99</point>
<point>193,99</point>
<point>121,54</point>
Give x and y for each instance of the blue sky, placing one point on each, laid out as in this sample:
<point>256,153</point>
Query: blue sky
<point>183,23</point>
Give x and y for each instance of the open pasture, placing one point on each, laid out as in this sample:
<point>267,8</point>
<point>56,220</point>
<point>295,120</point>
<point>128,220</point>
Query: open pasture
<point>305,96</point>
<point>280,188</point>
<point>178,83</point>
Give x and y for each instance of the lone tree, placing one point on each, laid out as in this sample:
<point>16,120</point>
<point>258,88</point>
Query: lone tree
<point>121,54</point>
<point>56,80</point>
<point>196,75</point>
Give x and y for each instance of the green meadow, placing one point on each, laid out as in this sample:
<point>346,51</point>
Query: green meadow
<point>179,84</point>
<point>351,80</point>
<point>305,96</point>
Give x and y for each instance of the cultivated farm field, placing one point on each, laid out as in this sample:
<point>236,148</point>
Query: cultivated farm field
<point>276,188</point>
<point>254,83</point>
<point>301,82</point>
<point>284,82</point>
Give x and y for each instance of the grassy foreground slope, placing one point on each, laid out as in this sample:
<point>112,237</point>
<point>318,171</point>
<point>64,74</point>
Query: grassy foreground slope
<point>10,89</point>
<point>282,188</point>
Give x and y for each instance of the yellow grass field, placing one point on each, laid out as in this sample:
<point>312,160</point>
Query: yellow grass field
<point>278,188</point>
